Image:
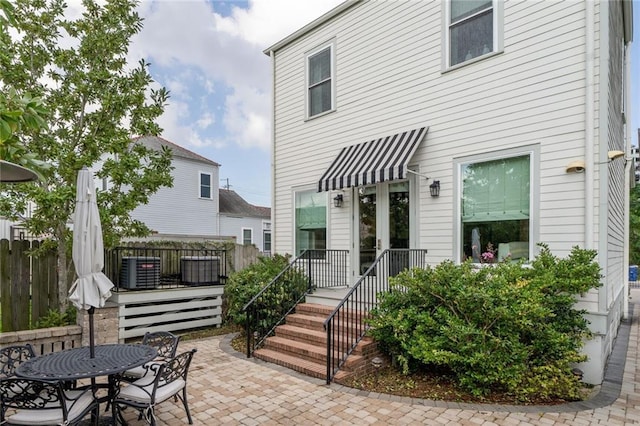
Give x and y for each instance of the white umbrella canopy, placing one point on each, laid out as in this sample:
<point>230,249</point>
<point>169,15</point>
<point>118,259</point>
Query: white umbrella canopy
<point>92,288</point>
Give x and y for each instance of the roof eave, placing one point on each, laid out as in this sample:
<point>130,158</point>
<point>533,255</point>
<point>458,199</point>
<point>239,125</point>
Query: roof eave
<point>311,26</point>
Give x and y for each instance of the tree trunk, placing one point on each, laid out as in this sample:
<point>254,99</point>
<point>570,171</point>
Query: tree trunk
<point>62,272</point>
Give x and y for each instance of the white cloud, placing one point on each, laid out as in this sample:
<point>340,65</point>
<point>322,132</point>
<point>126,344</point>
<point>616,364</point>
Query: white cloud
<point>228,52</point>
<point>206,120</point>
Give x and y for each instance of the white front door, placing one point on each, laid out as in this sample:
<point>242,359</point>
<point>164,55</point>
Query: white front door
<point>382,221</point>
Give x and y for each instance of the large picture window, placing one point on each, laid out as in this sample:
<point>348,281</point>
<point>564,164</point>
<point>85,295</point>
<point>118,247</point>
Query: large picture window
<point>471,29</point>
<point>496,200</point>
<point>311,221</point>
<point>320,81</point>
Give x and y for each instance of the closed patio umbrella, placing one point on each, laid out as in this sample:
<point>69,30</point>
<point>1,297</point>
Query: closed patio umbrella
<point>92,288</point>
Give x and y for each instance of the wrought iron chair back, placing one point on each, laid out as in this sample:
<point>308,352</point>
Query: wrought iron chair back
<point>12,356</point>
<point>145,393</point>
<point>44,402</point>
<point>165,342</point>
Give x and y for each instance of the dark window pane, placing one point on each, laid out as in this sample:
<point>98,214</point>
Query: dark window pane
<point>320,66</point>
<point>320,98</point>
<point>472,38</point>
<point>461,9</point>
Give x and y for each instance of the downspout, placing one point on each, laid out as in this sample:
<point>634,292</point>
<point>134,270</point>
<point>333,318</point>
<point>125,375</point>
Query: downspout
<point>589,123</point>
<point>272,55</point>
<point>627,178</point>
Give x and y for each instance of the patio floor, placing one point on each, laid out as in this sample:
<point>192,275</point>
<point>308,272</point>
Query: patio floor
<point>227,388</point>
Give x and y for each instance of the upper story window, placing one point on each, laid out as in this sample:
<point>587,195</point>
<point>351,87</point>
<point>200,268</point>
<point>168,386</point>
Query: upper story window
<point>472,29</point>
<point>320,81</point>
<point>496,199</point>
<point>247,236</point>
<point>205,185</point>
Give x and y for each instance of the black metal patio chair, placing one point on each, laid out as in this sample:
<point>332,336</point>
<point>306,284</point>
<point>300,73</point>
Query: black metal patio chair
<point>165,342</point>
<point>41,402</point>
<point>12,356</point>
<point>147,392</point>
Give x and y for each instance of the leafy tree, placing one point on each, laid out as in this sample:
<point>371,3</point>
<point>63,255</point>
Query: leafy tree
<point>97,102</point>
<point>634,226</point>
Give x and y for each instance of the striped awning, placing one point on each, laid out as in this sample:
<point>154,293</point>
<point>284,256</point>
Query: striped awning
<point>371,162</point>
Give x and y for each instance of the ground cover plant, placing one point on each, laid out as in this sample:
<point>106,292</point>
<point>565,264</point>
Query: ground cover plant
<point>507,329</point>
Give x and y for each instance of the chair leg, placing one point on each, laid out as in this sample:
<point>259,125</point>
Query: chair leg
<point>186,406</point>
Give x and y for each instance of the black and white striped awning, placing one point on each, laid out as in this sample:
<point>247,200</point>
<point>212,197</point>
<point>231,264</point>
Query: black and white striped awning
<point>371,162</point>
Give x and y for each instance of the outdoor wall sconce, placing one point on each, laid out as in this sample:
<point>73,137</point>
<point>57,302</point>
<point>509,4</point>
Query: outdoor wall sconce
<point>614,154</point>
<point>434,188</point>
<point>575,167</point>
<point>337,200</point>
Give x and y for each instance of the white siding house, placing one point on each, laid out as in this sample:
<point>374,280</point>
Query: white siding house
<point>247,223</point>
<point>376,101</point>
<point>190,207</point>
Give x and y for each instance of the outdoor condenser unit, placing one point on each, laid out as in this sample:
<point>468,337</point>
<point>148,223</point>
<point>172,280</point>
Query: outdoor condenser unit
<point>139,273</point>
<point>199,270</point>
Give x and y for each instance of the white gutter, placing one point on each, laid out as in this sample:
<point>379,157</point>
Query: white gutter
<point>628,176</point>
<point>272,54</point>
<point>589,123</point>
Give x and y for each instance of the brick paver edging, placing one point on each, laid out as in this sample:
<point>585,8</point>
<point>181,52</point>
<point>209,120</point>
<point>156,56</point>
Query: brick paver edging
<point>607,394</point>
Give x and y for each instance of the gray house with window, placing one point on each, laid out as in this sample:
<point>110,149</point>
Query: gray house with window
<point>247,223</point>
<point>190,207</point>
<point>472,129</point>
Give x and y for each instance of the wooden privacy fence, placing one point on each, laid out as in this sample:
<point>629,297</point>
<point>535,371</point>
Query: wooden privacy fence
<point>28,284</point>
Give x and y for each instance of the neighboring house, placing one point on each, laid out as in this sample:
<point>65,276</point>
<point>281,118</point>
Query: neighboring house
<point>249,224</point>
<point>190,207</point>
<point>511,109</point>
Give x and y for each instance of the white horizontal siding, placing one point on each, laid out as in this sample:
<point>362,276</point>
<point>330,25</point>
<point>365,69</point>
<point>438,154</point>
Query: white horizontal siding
<point>389,79</point>
<point>233,226</point>
<point>179,210</point>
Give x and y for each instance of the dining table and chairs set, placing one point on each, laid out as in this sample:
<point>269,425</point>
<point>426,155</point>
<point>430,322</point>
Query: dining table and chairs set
<point>60,388</point>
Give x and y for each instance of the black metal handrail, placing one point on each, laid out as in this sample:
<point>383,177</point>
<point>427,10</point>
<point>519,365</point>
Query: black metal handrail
<point>346,326</point>
<point>312,269</point>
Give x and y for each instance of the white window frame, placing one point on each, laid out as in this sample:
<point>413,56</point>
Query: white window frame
<point>498,35</point>
<point>293,216</point>
<point>200,186</point>
<point>307,108</point>
<point>250,232</point>
<point>533,151</point>
<point>266,232</point>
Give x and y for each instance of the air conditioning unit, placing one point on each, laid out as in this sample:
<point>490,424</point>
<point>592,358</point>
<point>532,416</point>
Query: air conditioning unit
<point>200,270</point>
<point>140,273</point>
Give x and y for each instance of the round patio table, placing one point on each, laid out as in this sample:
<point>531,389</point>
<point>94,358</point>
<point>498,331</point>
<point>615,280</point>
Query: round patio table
<point>73,364</point>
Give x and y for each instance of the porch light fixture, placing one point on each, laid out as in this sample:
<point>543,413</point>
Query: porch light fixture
<point>575,167</point>
<point>435,188</point>
<point>337,200</point>
<point>614,154</point>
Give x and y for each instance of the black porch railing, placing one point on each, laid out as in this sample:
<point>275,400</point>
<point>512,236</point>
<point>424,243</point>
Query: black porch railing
<point>144,268</point>
<point>312,269</point>
<point>346,326</point>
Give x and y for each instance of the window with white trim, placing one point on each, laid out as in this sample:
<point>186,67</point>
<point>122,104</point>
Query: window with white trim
<point>247,236</point>
<point>320,81</point>
<point>495,209</point>
<point>471,29</point>
<point>310,221</point>
<point>266,241</point>
<point>205,186</point>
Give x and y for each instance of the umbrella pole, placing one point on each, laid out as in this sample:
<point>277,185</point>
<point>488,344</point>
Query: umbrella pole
<point>92,349</point>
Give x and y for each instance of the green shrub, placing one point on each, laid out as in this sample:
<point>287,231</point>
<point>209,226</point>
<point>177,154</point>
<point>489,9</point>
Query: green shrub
<point>57,318</point>
<point>272,305</point>
<point>507,327</point>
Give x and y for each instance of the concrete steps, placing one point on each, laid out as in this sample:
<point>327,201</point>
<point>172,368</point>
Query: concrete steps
<point>301,344</point>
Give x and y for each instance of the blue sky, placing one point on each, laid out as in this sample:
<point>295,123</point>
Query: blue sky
<point>208,53</point>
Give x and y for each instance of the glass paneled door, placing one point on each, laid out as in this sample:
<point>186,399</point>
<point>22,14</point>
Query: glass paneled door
<point>383,221</point>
